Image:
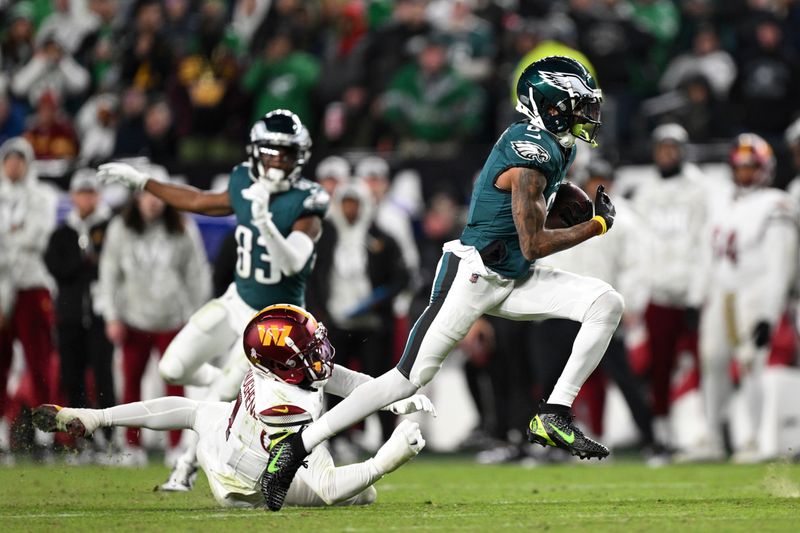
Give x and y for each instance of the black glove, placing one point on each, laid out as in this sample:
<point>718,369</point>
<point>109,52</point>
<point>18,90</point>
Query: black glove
<point>603,207</point>
<point>762,334</point>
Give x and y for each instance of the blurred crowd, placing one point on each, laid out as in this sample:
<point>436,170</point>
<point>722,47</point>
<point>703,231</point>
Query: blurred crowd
<point>180,81</point>
<point>386,87</point>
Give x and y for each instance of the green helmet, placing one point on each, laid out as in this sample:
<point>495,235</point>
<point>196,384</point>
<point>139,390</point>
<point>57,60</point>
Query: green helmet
<point>558,94</point>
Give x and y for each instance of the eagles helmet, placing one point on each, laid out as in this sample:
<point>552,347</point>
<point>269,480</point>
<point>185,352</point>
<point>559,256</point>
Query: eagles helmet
<point>279,147</point>
<point>287,342</point>
<point>752,161</point>
<point>559,95</point>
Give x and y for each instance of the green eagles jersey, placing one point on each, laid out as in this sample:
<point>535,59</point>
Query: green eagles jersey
<point>258,282</point>
<point>490,225</point>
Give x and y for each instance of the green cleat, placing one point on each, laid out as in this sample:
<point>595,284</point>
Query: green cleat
<point>286,456</point>
<point>551,429</point>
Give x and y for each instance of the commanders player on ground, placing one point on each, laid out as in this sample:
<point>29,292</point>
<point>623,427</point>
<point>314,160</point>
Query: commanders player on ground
<point>491,270</point>
<point>291,361</point>
<point>279,218</point>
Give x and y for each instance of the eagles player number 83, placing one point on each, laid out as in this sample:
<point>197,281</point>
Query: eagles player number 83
<point>244,258</point>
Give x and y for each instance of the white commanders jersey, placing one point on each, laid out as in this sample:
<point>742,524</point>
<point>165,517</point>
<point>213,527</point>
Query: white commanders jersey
<point>264,406</point>
<point>755,244</point>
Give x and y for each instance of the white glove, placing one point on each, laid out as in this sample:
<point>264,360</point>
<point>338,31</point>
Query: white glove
<point>259,206</point>
<point>748,354</point>
<point>122,173</point>
<point>406,442</point>
<point>413,404</point>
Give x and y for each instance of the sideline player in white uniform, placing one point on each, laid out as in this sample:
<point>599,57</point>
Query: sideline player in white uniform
<point>279,219</point>
<point>754,246</point>
<point>291,362</point>
<point>491,270</point>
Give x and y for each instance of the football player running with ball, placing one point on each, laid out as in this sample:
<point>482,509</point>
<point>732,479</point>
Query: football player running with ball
<point>279,219</point>
<point>491,270</point>
<point>290,363</point>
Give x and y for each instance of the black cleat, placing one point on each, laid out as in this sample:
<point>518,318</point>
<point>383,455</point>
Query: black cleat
<point>286,456</point>
<point>552,429</point>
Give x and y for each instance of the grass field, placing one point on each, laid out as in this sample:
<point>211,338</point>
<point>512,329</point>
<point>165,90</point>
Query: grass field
<point>430,494</point>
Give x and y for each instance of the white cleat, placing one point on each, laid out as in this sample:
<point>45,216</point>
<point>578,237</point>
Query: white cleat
<point>181,479</point>
<point>77,422</point>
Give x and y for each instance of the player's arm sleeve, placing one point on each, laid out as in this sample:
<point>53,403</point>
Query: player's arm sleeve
<point>344,381</point>
<point>335,484</point>
<point>289,253</point>
<point>781,249</point>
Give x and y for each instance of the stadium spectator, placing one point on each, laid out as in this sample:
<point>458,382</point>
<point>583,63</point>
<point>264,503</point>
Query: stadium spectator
<point>391,216</point>
<point>153,275</point>
<point>470,46</point>
<point>332,172</point>
<point>161,140</point>
<point>296,17</point>
<point>147,59</point>
<point>96,123</point>
<point>768,80</point>
<point>96,51</point>
<point>206,98</point>
<point>50,131</point>
<point>387,48</point>
<point>72,257</point>
<point>358,274</point>
<point>18,42</point>
<point>131,137</point>
<point>706,59</point>
<point>69,22</point>
<point>180,23</point>
<point>283,77</point>
<point>429,107</point>
<point>673,207</point>
<point>247,17</point>
<point>27,217</point>
<point>12,117</point>
<point>51,69</point>
<point>695,106</point>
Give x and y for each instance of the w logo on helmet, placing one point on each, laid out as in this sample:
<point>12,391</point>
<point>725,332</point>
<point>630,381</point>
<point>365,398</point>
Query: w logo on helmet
<point>271,333</point>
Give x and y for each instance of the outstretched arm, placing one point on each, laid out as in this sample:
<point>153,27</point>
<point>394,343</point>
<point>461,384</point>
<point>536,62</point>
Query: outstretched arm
<point>343,381</point>
<point>189,198</point>
<point>181,197</point>
<point>530,212</point>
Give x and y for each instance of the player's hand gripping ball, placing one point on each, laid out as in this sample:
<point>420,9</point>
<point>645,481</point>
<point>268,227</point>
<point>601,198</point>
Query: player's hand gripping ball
<point>571,206</point>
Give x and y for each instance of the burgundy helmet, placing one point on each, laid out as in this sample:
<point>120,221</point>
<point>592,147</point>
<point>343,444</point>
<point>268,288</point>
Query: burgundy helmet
<point>288,342</point>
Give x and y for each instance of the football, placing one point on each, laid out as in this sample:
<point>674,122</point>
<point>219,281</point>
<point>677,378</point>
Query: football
<point>571,206</point>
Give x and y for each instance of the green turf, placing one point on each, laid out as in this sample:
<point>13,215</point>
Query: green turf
<point>430,494</point>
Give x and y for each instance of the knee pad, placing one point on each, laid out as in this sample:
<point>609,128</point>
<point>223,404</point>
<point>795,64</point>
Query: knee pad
<point>424,370</point>
<point>367,496</point>
<point>607,308</point>
<point>210,317</point>
<point>193,346</point>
